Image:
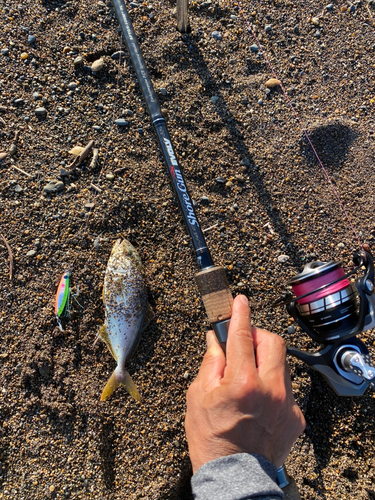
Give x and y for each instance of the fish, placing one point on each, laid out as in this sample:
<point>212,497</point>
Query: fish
<point>127,312</point>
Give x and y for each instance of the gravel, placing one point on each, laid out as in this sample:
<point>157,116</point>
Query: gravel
<point>57,440</point>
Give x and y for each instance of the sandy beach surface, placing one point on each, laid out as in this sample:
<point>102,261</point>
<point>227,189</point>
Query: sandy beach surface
<point>264,204</point>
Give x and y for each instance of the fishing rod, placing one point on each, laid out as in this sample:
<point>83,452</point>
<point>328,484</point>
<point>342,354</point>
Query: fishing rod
<point>211,280</point>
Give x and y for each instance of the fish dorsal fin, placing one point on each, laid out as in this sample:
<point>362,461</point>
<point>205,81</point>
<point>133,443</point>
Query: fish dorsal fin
<point>149,316</point>
<point>103,334</point>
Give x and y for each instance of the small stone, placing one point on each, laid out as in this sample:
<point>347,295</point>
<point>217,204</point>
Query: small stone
<point>120,122</point>
<point>186,375</point>
<point>31,253</point>
<point>24,56</point>
<point>340,245</point>
<point>260,102</point>
<point>268,28</point>
<point>291,330</point>
<point>229,184</point>
<point>220,180</point>
<point>36,96</point>
<point>5,52</point>
<point>283,258</point>
<point>67,49</point>
<point>97,65</point>
<point>109,177</point>
<point>97,243</point>
<point>254,48</point>
<point>315,21</point>
<point>217,35</point>
<point>72,86</point>
<point>52,488</point>
<point>54,186</point>
<point>117,55</point>
<point>163,91</point>
<point>18,189</point>
<point>13,150</point>
<point>3,155</point>
<point>205,199</point>
<point>37,244</point>
<point>40,112</point>
<point>97,128</point>
<point>329,6</point>
<point>214,99</point>
<point>296,29</point>
<point>272,82</point>
<point>78,61</point>
<point>63,172</point>
<point>31,39</point>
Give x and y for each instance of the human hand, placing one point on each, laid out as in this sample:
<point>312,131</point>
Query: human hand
<point>242,403</point>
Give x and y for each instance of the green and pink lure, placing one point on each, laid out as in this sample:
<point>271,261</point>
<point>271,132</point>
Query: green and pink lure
<point>62,299</point>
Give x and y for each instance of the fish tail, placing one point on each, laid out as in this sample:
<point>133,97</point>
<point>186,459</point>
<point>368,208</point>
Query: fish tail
<point>120,377</point>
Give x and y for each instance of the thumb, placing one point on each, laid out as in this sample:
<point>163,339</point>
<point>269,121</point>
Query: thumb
<point>213,364</point>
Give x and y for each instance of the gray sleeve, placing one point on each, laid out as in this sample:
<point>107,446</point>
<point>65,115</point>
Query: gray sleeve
<point>236,477</point>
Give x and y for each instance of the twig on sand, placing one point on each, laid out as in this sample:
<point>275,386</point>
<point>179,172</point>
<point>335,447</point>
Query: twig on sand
<point>20,170</point>
<point>95,156</point>
<point>85,152</point>
<point>96,188</point>
<point>10,256</point>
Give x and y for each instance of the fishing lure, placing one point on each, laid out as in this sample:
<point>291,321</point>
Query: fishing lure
<point>62,299</point>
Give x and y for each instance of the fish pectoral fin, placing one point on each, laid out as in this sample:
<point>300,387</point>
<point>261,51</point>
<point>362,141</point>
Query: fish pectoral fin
<point>103,334</point>
<point>149,316</point>
<point>120,377</point>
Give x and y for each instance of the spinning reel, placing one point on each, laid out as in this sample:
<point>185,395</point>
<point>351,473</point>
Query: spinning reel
<point>332,310</point>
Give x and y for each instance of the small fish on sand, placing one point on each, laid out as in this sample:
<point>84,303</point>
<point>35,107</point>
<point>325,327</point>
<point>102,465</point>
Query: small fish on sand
<point>126,313</point>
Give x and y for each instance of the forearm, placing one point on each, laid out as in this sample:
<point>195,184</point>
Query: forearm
<point>241,476</point>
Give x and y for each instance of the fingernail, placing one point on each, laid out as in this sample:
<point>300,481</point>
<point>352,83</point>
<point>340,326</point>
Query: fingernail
<point>209,338</point>
<point>244,300</point>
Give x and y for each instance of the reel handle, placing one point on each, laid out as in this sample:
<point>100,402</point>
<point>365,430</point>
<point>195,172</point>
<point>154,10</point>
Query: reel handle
<point>217,300</point>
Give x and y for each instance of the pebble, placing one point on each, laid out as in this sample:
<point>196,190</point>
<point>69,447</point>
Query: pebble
<point>268,28</point>
<point>24,56</point>
<point>53,186</point>
<point>18,189</point>
<point>97,243</point>
<point>97,128</point>
<point>78,61</point>
<point>63,172</point>
<point>31,253</point>
<point>272,82</point>
<point>217,35</point>
<point>117,55</point>
<point>97,65</point>
<point>163,91</point>
<point>341,245</point>
<point>72,86</point>
<point>214,99</point>
<point>5,52</point>
<point>329,6</point>
<point>3,155</point>
<point>254,48</point>
<point>36,96</point>
<point>291,330</point>
<point>40,112</point>
<point>120,122</point>
<point>220,180</point>
<point>13,150</point>
<point>205,199</point>
<point>315,21</point>
<point>283,258</point>
<point>186,375</point>
<point>31,39</point>
<point>109,177</point>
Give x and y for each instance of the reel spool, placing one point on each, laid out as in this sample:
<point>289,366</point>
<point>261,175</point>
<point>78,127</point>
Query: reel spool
<point>331,309</point>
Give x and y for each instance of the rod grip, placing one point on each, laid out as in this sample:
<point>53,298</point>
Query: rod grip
<point>215,292</point>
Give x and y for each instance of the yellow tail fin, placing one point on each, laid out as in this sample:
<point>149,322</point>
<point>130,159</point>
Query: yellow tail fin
<point>120,377</point>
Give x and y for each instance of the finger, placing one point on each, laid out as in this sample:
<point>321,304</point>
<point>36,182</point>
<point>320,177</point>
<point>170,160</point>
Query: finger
<point>240,345</point>
<point>270,354</point>
<point>213,364</point>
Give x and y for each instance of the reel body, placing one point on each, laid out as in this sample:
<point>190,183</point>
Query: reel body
<point>332,311</point>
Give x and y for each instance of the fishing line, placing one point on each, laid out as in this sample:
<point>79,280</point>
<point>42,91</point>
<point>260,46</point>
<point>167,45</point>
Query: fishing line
<point>303,128</point>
